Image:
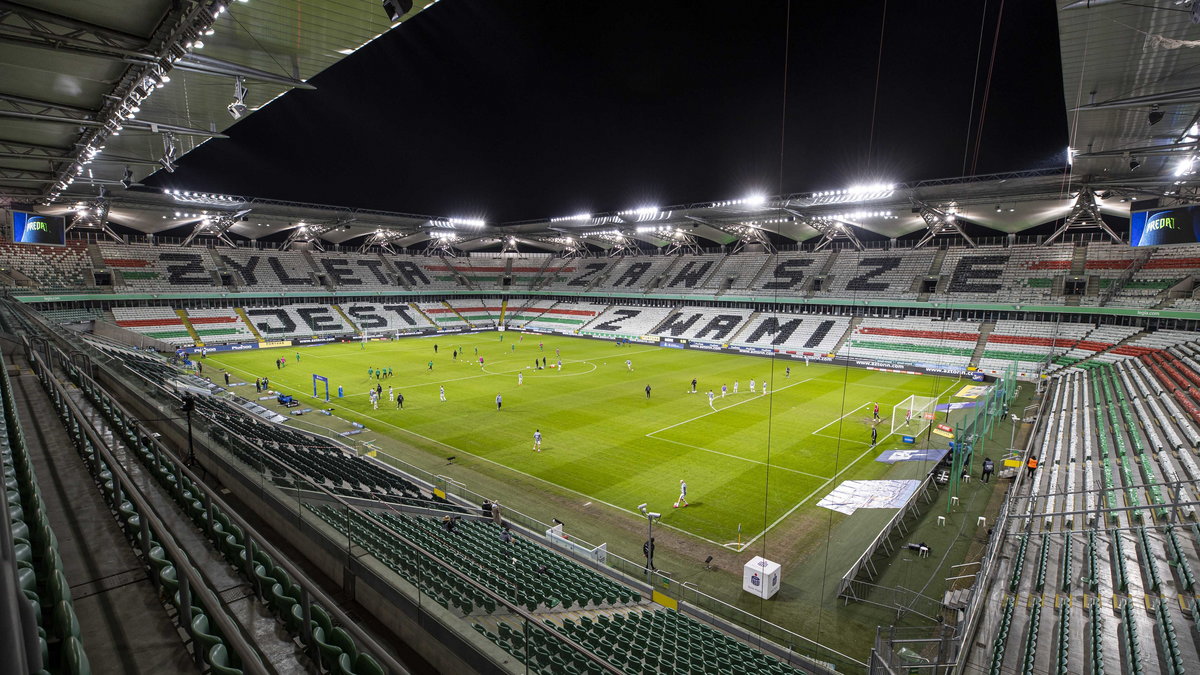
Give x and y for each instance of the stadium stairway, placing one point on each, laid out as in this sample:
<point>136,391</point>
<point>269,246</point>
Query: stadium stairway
<point>187,323</point>
<point>346,318</point>
<point>985,329</point>
<point>249,324</point>
<point>1078,260</point>
<point>503,307</point>
<point>458,275</point>
<point>770,265</point>
<point>456,313</point>
<point>121,620</point>
<point>850,328</point>
<point>416,308</point>
<point>96,256</point>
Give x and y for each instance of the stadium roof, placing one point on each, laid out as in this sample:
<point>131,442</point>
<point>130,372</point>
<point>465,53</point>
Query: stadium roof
<point>1118,60</point>
<point>91,89</point>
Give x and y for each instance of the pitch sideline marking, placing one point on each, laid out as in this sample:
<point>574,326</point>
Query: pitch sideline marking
<point>810,495</point>
<point>523,473</point>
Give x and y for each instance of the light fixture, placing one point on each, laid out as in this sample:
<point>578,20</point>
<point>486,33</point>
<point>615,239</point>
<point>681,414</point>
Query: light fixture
<point>1155,115</point>
<point>1134,164</point>
<point>998,209</point>
<point>238,107</point>
<point>397,8</point>
<point>127,179</point>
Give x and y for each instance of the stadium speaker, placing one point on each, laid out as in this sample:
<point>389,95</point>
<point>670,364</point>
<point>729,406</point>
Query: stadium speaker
<point>397,8</point>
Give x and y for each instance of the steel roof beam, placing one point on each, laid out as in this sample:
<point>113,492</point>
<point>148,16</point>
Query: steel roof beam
<point>1084,215</point>
<point>207,65</point>
<point>1189,95</point>
<point>939,223</point>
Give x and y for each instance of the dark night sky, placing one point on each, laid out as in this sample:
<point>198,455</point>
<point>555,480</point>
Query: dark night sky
<point>519,109</point>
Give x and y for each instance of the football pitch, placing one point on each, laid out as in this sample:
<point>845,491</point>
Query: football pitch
<point>749,460</point>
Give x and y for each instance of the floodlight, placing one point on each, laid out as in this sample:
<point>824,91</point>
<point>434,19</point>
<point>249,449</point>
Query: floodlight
<point>757,199</point>
<point>238,107</point>
<point>1155,115</point>
<point>397,8</point>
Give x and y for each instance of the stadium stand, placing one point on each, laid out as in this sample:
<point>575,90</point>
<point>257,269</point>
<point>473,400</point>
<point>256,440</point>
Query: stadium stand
<point>77,315</point>
<point>626,321</point>
<point>1022,273</point>
<point>1032,344</point>
<point>691,273</point>
<point>427,273</point>
<point>376,318</point>
<point>613,622</point>
<point>913,340</point>
<point>161,323</point>
<point>876,274</point>
<point>578,274</point>
<point>142,267</point>
<point>479,313</point>
<point>485,272</point>
<point>1166,267</point>
<point>801,334</point>
<point>558,316</point>
<point>349,272</point>
<point>735,272</point>
<point>715,324</point>
<point>271,271</point>
<point>632,274</point>
<point>219,325</point>
<point>297,320</point>
<point>50,621</point>
<point>442,314</point>
<point>1096,342</point>
<point>52,269</point>
<point>789,273</point>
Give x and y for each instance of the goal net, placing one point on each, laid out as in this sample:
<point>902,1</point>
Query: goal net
<point>913,415</point>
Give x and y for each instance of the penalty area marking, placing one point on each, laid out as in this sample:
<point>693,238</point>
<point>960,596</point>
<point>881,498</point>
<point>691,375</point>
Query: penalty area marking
<point>810,495</point>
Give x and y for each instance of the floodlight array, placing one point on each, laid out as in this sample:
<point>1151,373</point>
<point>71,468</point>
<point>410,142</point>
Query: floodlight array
<point>578,217</point>
<point>863,215</point>
<point>149,78</point>
<point>855,193</point>
<point>189,197</point>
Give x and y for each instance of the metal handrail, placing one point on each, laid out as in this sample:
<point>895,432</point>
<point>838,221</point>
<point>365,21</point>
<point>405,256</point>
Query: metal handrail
<point>212,501</point>
<point>191,579</point>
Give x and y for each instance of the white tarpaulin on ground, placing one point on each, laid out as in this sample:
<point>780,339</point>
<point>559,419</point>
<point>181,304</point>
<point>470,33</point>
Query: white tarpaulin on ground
<point>852,495</point>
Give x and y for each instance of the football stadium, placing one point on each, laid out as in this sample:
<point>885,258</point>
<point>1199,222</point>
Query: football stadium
<point>948,425</point>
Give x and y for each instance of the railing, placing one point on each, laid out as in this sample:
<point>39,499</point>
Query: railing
<point>753,627</point>
<point>191,582</point>
<point>884,535</point>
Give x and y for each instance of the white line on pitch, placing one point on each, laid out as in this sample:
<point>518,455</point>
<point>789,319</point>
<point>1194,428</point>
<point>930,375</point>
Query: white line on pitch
<point>838,419</point>
<point>744,459</point>
<point>716,410</point>
<point>528,475</point>
<point>809,496</point>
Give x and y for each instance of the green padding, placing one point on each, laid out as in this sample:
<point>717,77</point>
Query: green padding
<point>920,349</point>
<point>1039,283</point>
<point>140,275</point>
<point>447,319</point>
<point>480,317</point>
<point>217,331</point>
<point>168,334</point>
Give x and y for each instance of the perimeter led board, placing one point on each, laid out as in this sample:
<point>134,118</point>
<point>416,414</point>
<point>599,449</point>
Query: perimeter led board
<point>33,228</point>
<point>1156,227</point>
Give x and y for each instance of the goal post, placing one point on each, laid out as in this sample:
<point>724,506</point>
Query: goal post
<point>913,415</point>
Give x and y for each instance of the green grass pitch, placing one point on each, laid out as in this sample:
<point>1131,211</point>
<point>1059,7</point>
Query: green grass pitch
<point>748,459</point>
